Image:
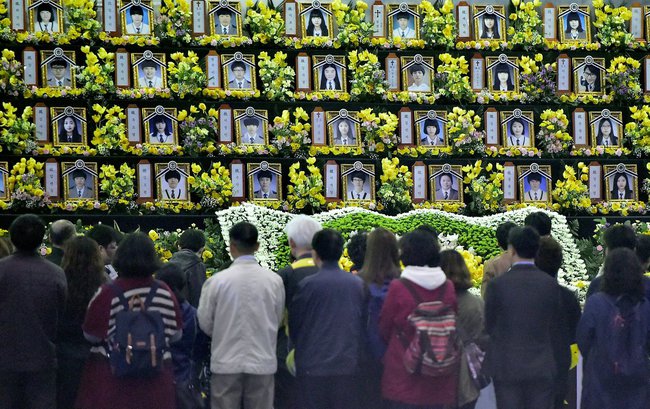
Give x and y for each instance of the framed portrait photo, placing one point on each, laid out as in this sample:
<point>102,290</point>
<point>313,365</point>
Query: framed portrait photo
<point>239,71</point>
<point>4,189</point>
<point>45,16</point>
<point>489,23</point>
<point>329,73</point>
<point>160,125</point>
<point>431,128</point>
<point>316,19</point>
<point>149,69</point>
<point>68,126</point>
<point>264,181</point>
<point>56,68</point>
<point>535,183</point>
<point>589,75</point>
<point>417,74</point>
<point>575,23</point>
<point>517,128</point>
<point>79,180</point>
<point>446,183</point>
<point>621,182</point>
<point>646,19</point>
<point>358,181</point>
<point>136,17</point>
<point>171,180</point>
<point>343,128</point>
<point>251,126</point>
<point>403,21</point>
<point>225,18</point>
<point>606,128</point>
<point>503,74</point>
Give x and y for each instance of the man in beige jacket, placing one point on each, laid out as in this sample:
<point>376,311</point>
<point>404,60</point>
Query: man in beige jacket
<point>498,265</point>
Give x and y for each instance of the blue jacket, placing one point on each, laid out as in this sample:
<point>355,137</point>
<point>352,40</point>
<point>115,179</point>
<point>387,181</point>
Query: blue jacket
<point>325,322</point>
<point>376,297</point>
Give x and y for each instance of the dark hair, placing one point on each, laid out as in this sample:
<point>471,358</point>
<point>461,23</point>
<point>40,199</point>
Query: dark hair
<point>223,11</point>
<point>502,234</point>
<point>549,256</point>
<point>243,236</point>
<point>103,235</point>
<point>534,176</point>
<point>618,175</point>
<point>343,120</point>
<point>27,232</point>
<point>75,131</point>
<point>59,62</point>
<point>159,119</point>
<point>519,120</point>
<point>148,63</point>
<point>357,246</point>
<point>428,229</point>
<point>61,231</point>
<point>419,248</point>
<point>239,64</point>
<point>455,268</point>
<point>623,274</point>
<point>382,257</point>
<point>264,174</point>
<point>251,121</point>
<point>328,245</point>
<point>323,80</point>
<point>136,256</point>
<point>600,126</point>
<point>619,235</point>
<point>43,7</point>
<point>79,173</point>
<point>593,70</point>
<point>540,221</point>
<point>449,175</point>
<point>84,269</point>
<point>431,122</point>
<point>172,174</point>
<point>192,239</point>
<point>415,68</point>
<point>503,67</point>
<point>310,26</point>
<point>136,10</point>
<point>525,241</point>
<point>573,15</point>
<point>495,29</point>
<point>643,248</point>
<point>402,14</point>
<point>358,174</point>
<point>172,275</point>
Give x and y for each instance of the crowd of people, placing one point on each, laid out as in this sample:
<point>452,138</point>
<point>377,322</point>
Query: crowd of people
<point>403,330</point>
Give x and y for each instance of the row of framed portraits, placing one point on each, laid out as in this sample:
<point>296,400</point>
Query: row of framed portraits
<point>352,182</point>
<point>571,23</point>
<point>67,126</point>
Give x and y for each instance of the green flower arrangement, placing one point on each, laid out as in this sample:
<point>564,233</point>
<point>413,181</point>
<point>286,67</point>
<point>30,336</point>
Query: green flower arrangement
<point>638,132</point>
<point>110,129</point>
<point>553,136</point>
<point>451,79</point>
<point>96,78</point>
<point>174,22</point>
<point>368,79</point>
<point>396,183</point>
<point>17,133</point>
<point>611,24</point>
<point>277,76</point>
<point>352,24</point>
<point>199,129</point>
<point>24,182</point>
<point>81,19</point>
<point>537,84</point>
<point>572,193</point>
<point>305,189</point>
<point>439,26</point>
<point>6,33</point>
<point>291,136</point>
<point>463,133</point>
<point>264,23</point>
<point>379,130</point>
<point>525,24</point>
<point>11,72</point>
<point>484,188</point>
<point>185,74</point>
<point>623,79</point>
<point>213,187</point>
<point>119,187</point>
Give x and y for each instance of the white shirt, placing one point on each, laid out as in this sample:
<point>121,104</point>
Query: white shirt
<point>155,82</point>
<point>422,87</point>
<point>406,33</point>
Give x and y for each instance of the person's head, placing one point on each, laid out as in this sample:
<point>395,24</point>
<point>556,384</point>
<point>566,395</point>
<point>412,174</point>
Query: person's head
<point>172,274</point>
<point>643,250</point>
<point>381,262</point>
<point>330,73</point>
<point>224,16</point>
<point>60,232</point>
<point>300,232</point>
<point>502,75</point>
<point>523,242</point>
<point>58,67</point>
<point>620,182</point>
<point>445,181</point>
<point>69,126</point>
<point>540,221</point>
<point>534,180</point>
<point>623,274</point>
<point>591,74</point>
<point>549,256</point>
<point>239,70</point>
<point>358,179</point>
<point>251,124</point>
<point>327,246</point>
<point>503,230</point>
<point>192,239</point>
<point>619,235</point>
<point>243,239</point>
<point>136,256</point>
<point>173,177</point>
<point>44,13</point>
<point>455,268</point>
<point>573,22</point>
<point>316,18</point>
<point>137,14</point>
<point>264,178</point>
<point>357,249</point>
<point>149,68</point>
<point>79,176</point>
<point>517,127</point>
<point>403,19</point>
<point>419,248</point>
<point>431,128</point>
<point>490,24</point>
<point>160,122</point>
<point>426,228</point>
<point>27,232</point>
<point>84,270</point>
<point>107,239</point>
<point>417,73</point>
<point>605,128</point>
<point>343,128</point>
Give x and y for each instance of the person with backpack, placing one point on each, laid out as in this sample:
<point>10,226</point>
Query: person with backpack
<point>613,336</point>
<point>422,298</point>
<point>131,323</point>
<point>191,245</point>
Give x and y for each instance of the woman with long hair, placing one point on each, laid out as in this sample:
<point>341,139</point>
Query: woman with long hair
<point>606,135</point>
<point>316,26</point>
<point>517,128</point>
<point>431,133</point>
<point>490,27</point>
<point>330,76</point>
<point>621,188</point>
<point>574,29</point>
<point>68,132</point>
<point>502,79</point>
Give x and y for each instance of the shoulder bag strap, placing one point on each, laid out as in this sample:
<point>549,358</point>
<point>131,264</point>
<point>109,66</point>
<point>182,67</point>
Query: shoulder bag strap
<point>152,293</point>
<point>409,286</point>
<point>120,295</point>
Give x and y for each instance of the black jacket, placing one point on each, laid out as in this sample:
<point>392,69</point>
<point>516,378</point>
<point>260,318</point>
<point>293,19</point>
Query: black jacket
<point>194,271</point>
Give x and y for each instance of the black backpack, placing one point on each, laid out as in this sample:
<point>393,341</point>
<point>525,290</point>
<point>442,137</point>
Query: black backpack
<point>137,346</point>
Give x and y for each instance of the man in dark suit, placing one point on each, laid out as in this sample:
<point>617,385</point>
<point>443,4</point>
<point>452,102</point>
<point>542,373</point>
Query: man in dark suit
<point>57,75</point>
<point>445,190</point>
<point>80,190</point>
<point>264,178</point>
<point>239,72</point>
<point>521,308</point>
<point>175,190</point>
<point>224,24</point>
<point>358,191</point>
